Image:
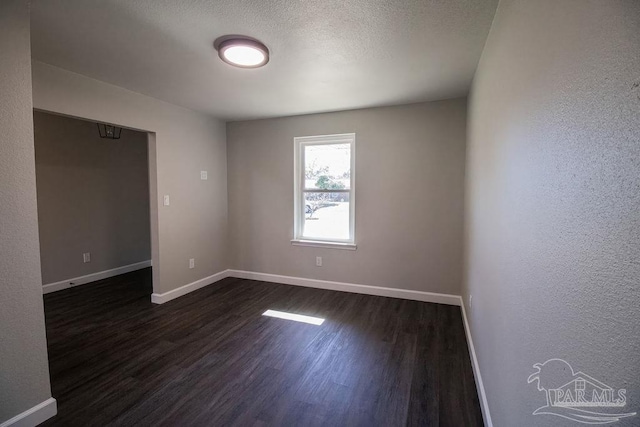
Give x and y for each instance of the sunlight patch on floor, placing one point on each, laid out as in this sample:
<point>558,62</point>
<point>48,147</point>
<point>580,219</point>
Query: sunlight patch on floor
<point>294,317</point>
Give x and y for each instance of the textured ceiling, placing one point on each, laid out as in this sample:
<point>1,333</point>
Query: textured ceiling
<point>325,55</point>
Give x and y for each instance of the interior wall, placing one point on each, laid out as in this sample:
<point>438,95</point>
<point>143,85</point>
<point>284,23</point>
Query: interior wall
<point>409,196</point>
<point>553,201</point>
<point>24,369</point>
<point>93,196</point>
<point>194,225</point>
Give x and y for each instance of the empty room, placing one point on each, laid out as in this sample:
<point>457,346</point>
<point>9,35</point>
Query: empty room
<point>337,213</point>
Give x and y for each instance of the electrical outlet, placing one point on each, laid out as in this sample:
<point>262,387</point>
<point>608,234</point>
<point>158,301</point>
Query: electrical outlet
<point>318,261</point>
<point>470,301</point>
<point>192,263</point>
<point>86,257</point>
<point>203,175</point>
<point>166,200</point>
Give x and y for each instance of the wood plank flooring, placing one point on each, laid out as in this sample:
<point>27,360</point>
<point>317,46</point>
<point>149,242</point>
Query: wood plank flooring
<point>210,358</point>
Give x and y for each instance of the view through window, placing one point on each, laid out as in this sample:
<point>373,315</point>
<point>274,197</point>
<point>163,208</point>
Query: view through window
<point>324,191</point>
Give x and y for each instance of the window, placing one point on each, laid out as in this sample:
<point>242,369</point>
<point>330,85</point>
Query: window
<point>324,191</point>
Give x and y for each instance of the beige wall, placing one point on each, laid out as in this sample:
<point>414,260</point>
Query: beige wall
<point>409,196</point>
<point>93,196</point>
<point>184,143</point>
<point>553,201</point>
<point>24,370</point>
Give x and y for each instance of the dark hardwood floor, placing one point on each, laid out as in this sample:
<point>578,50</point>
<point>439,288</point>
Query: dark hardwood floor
<point>211,358</point>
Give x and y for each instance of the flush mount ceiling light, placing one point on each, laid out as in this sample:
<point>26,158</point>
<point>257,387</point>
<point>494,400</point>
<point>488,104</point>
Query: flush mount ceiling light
<point>242,51</point>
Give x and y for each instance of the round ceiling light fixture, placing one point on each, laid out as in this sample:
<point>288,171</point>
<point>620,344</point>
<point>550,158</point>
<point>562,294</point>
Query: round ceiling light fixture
<point>242,51</point>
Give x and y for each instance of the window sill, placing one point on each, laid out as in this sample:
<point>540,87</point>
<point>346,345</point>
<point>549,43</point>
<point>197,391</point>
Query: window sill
<point>328,245</point>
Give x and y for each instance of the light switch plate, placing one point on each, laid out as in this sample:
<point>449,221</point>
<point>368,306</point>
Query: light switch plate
<point>203,175</point>
<point>166,200</point>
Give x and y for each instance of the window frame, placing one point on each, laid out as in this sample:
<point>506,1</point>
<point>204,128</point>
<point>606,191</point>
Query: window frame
<point>299,190</point>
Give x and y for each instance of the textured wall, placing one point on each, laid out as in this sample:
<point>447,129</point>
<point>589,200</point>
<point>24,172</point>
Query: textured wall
<point>553,200</point>
<point>186,142</point>
<point>409,196</point>
<point>24,370</point>
<point>93,196</point>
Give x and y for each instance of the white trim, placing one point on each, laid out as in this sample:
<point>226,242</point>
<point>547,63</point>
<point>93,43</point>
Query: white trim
<point>83,280</point>
<point>310,283</point>
<point>190,287</point>
<point>484,404</point>
<point>349,287</point>
<point>299,182</point>
<point>336,138</point>
<point>34,416</point>
<point>321,244</point>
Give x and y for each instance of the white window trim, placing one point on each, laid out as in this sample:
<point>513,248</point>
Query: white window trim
<point>323,244</point>
<point>299,182</point>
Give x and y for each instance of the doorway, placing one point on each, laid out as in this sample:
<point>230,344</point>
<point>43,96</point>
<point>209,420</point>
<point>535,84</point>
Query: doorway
<point>94,205</point>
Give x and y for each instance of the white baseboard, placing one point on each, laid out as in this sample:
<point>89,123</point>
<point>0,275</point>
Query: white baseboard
<point>183,290</point>
<point>83,280</point>
<point>349,287</point>
<point>484,404</point>
<point>34,416</point>
<point>310,283</point>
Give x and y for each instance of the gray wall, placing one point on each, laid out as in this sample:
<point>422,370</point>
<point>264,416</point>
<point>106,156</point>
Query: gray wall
<point>183,143</point>
<point>409,196</point>
<point>553,200</point>
<point>24,370</point>
<point>93,196</point>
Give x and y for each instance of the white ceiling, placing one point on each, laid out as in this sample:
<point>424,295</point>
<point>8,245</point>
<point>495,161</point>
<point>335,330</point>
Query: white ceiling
<point>326,55</point>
